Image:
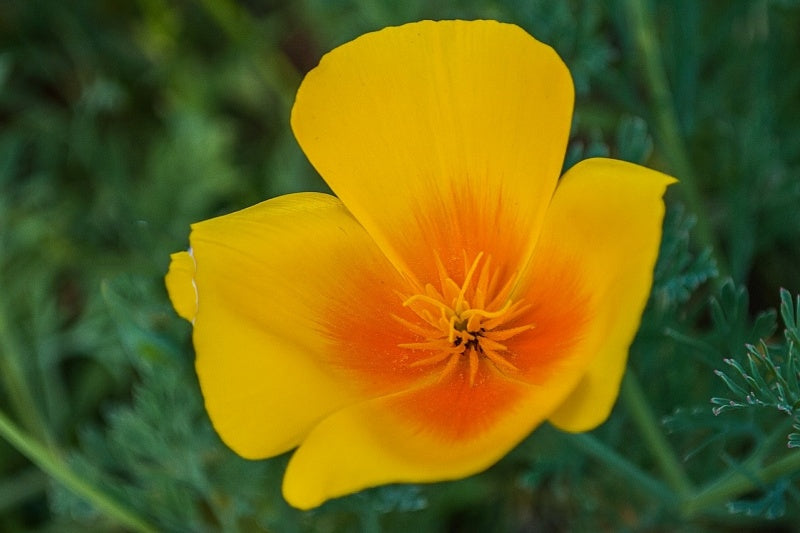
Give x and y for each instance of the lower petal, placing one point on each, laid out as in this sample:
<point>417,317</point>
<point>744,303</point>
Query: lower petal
<point>606,215</point>
<point>443,431</point>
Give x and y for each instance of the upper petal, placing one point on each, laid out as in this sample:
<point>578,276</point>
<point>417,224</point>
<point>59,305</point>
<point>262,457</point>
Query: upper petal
<point>275,282</point>
<point>440,135</point>
<point>606,218</point>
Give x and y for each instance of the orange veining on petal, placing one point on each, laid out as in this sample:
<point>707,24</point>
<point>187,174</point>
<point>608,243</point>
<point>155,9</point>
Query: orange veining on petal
<point>532,331</point>
<point>465,345</point>
<point>365,325</point>
<point>454,410</point>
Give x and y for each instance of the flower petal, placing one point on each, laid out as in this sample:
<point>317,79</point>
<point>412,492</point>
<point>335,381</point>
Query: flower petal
<point>271,280</point>
<point>444,431</point>
<point>440,135</point>
<point>607,215</point>
<point>180,285</point>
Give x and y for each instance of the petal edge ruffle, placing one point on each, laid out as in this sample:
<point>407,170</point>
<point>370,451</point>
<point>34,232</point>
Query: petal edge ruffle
<point>180,285</point>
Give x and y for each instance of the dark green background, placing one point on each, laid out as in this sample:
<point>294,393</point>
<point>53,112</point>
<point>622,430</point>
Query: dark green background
<point>123,122</point>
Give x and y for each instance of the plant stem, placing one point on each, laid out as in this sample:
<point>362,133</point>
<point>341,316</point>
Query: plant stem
<point>739,482</point>
<point>653,437</point>
<point>745,477</point>
<point>667,128</point>
<point>15,382</point>
<point>53,465</point>
<point>590,445</point>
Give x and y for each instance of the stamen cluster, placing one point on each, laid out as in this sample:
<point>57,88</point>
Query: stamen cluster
<point>466,324</point>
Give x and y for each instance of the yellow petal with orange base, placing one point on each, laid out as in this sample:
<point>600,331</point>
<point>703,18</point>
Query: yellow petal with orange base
<point>443,431</point>
<point>607,214</point>
<point>461,416</point>
<point>440,135</point>
<point>270,281</point>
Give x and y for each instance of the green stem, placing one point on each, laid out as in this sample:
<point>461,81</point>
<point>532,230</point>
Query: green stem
<point>654,439</point>
<point>740,482</point>
<point>745,477</point>
<point>591,446</point>
<point>55,467</point>
<point>667,128</point>
<point>15,382</point>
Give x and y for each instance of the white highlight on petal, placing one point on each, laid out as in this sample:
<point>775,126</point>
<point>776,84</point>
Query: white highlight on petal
<point>194,285</point>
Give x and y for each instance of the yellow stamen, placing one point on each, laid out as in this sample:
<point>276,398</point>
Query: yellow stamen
<point>487,314</point>
<point>489,344</point>
<point>438,358</point>
<point>451,336</point>
<point>450,367</point>
<point>427,299</point>
<point>473,366</point>
<point>503,334</point>
<point>422,331</point>
<point>483,284</point>
<point>500,362</point>
<point>457,333</point>
<point>436,344</point>
<point>467,279</point>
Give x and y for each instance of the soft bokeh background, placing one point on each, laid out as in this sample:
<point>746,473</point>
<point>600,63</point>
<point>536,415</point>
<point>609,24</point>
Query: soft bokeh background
<point>123,122</point>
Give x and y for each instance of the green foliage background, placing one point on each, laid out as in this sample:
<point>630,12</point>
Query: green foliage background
<point>123,122</point>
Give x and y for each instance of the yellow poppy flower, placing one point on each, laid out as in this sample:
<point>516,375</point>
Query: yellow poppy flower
<point>450,299</point>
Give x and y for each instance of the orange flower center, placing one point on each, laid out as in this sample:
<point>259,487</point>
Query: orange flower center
<point>465,326</point>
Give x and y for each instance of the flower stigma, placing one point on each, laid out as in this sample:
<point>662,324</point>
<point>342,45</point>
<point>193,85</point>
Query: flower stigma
<point>465,326</point>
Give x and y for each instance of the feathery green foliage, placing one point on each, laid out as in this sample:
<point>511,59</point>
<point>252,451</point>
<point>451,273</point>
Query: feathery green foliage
<point>124,122</point>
